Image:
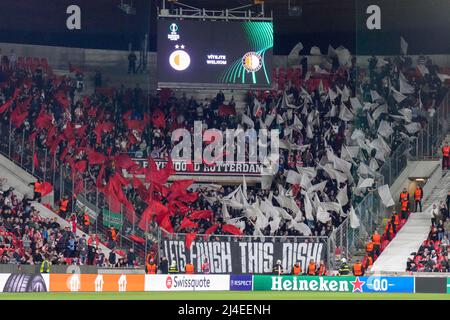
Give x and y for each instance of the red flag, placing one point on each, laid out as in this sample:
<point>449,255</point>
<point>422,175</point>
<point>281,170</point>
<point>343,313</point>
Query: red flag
<point>81,166</point>
<point>178,207</point>
<point>99,182</point>
<point>135,124</point>
<point>231,229</point>
<point>44,120</point>
<point>62,99</point>
<point>166,224</point>
<point>17,118</point>
<point>6,105</point>
<point>158,119</point>
<point>95,157</point>
<point>35,161</point>
<point>212,229</point>
<point>124,161</point>
<point>201,214</point>
<point>186,223</point>
<point>225,110</point>
<point>132,139</point>
<point>188,197</point>
<point>46,188</point>
<point>137,239</point>
<point>190,237</point>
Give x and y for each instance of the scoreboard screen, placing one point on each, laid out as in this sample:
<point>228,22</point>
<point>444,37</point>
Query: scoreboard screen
<point>231,54</point>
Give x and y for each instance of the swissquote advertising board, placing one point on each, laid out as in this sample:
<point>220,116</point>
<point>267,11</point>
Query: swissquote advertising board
<point>243,257</point>
<point>186,282</point>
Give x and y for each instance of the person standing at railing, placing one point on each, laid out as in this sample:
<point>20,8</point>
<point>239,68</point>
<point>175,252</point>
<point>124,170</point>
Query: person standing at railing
<point>322,269</point>
<point>445,157</point>
<point>277,268</point>
<point>312,268</point>
<point>63,207</point>
<point>358,269</point>
<point>37,190</point>
<point>376,239</point>
<point>189,268</point>
<point>418,195</point>
<point>205,266</point>
<point>296,269</point>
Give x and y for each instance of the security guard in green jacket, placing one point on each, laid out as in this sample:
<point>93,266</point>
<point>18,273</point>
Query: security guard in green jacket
<point>45,266</point>
<point>173,267</point>
<point>344,269</point>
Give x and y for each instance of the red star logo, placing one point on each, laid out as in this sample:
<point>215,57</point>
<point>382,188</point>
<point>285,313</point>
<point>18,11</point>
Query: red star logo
<point>357,285</point>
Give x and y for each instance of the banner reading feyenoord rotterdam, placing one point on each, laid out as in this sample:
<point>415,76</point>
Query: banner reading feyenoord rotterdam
<point>243,257</point>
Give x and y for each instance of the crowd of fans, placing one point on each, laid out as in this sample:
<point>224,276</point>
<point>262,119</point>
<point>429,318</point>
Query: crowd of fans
<point>313,121</point>
<point>432,255</point>
<point>30,239</point>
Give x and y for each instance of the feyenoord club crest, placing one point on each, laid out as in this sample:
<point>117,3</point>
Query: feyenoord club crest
<point>252,61</point>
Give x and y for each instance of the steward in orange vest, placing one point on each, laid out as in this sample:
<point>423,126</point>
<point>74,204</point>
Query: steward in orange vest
<point>37,188</point>
<point>189,268</point>
<point>389,230</point>
<point>63,207</point>
<point>312,268</point>
<point>151,266</point>
<point>376,239</point>
<point>369,248</point>
<point>404,208</point>
<point>369,262</point>
<point>322,269</point>
<point>358,269</point>
<point>418,195</point>
<point>445,157</point>
<point>86,222</point>
<point>296,269</point>
<point>404,195</point>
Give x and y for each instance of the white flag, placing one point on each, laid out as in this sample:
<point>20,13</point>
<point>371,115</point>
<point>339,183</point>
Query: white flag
<point>385,195</point>
<point>405,87</point>
<point>413,127</point>
<point>356,104</point>
<point>399,97</point>
<point>403,46</point>
<point>354,220</point>
<point>385,129</point>
<point>345,114</point>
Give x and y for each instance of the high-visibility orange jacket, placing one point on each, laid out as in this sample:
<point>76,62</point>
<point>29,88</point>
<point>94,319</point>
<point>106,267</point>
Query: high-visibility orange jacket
<point>311,269</point>
<point>189,268</point>
<point>418,194</point>
<point>358,269</point>
<point>296,270</point>
<point>376,238</point>
<point>37,187</point>
<point>369,262</point>
<point>369,247</point>
<point>151,268</point>
<point>446,151</point>
<point>404,196</point>
<point>322,270</point>
<point>63,205</point>
<point>404,205</point>
<point>397,218</point>
<point>87,220</point>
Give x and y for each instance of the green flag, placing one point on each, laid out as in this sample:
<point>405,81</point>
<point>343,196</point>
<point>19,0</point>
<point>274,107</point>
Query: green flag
<point>111,219</point>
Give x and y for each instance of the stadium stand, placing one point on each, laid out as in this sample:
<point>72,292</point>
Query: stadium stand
<point>93,137</point>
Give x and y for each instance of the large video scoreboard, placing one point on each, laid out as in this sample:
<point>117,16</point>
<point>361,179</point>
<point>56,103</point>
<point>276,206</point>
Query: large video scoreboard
<point>229,54</point>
